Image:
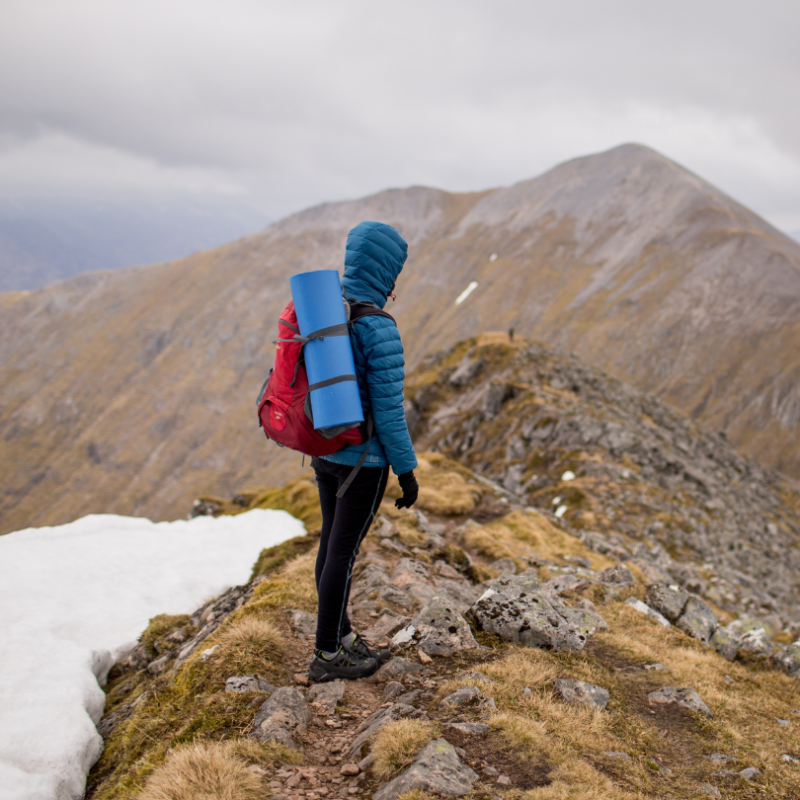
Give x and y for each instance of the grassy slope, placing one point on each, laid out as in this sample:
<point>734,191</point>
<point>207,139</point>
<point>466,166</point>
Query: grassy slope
<point>549,750</point>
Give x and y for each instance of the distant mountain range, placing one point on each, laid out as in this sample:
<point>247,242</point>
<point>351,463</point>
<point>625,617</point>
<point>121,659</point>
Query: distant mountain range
<point>133,391</point>
<point>45,242</point>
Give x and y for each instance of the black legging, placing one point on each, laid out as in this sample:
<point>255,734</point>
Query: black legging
<point>345,522</point>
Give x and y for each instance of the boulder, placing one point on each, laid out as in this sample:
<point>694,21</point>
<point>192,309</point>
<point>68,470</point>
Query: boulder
<point>755,645</point>
<point>439,630</point>
<point>650,612</point>
<point>282,717</point>
<point>697,620</point>
<point>669,601</point>
<point>585,694</point>
<point>437,770</point>
<point>724,643</point>
<point>515,609</point>
<point>685,698</point>
<point>789,659</point>
<point>463,594</point>
<point>618,575</point>
<point>581,619</point>
<point>564,583</point>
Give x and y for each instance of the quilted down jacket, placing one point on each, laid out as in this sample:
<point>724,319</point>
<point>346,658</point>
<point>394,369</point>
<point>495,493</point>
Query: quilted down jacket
<point>373,259</point>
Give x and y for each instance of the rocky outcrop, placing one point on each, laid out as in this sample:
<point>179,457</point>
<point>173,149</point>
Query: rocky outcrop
<point>282,717</point>
<point>515,608</point>
<point>437,769</point>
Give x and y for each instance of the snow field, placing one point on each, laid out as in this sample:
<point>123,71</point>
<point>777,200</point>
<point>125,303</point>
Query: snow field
<point>73,600</point>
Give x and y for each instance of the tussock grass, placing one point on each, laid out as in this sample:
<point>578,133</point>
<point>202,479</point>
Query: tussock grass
<point>247,645</point>
<point>208,771</point>
<point>398,743</point>
<point>162,625</point>
<point>293,587</point>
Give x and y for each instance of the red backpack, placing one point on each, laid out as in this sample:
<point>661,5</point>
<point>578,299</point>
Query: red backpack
<point>284,406</point>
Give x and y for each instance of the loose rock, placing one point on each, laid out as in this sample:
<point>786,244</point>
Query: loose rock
<point>285,714</point>
<point>248,683</point>
<point>461,697</point>
<point>697,620</point>
<point>395,668</point>
<point>438,630</point>
<point>437,769</point>
<point>669,601</point>
<point>325,696</point>
<point>686,698</point>
<point>586,694</point>
<point>618,575</point>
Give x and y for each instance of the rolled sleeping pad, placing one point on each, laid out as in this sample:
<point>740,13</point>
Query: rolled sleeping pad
<point>335,399</point>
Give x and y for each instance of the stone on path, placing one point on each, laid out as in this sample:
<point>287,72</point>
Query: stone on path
<point>325,696</point>
<point>279,718</point>
<point>394,669</point>
<point>686,698</point>
<point>515,608</point>
<point>438,630</point>
<point>650,612</point>
<point>374,722</point>
<point>669,601</point>
<point>461,697</point>
<point>409,571</point>
<point>303,622</point>
<point>385,626</point>
<point>697,620</point>
<point>586,694</point>
<point>504,565</point>
<point>437,769</point>
<point>248,683</point>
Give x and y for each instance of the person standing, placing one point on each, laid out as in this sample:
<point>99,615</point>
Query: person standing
<point>374,256</point>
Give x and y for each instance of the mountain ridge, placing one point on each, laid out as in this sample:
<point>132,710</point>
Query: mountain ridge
<point>130,391</point>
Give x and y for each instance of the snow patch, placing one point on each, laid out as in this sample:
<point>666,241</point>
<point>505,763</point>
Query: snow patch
<point>73,600</point>
<point>466,293</point>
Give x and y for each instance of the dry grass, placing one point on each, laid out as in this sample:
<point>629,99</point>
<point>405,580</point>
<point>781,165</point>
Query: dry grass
<point>446,488</point>
<point>577,780</point>
<point>247,645</point>
<point>292,587</point>
<point>416,794</point>
<point>208,771</point>
<point>397,745</point>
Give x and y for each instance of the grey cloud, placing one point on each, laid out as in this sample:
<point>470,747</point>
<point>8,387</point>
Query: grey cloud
<point>310,101</point>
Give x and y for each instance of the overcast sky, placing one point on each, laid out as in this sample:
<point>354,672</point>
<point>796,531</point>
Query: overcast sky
<point>282,105</point>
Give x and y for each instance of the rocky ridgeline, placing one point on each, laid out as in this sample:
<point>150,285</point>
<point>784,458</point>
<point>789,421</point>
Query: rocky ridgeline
<point>634,479</point>
<point>426,601</point>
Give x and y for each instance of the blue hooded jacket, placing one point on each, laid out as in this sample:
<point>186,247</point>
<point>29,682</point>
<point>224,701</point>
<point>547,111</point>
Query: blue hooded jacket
<point>373,259</point>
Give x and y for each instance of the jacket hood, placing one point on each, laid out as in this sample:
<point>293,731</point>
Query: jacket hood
<point>373,259</point>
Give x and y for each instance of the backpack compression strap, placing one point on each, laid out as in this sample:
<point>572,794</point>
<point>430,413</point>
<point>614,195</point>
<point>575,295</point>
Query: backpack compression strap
<point>357,468</point>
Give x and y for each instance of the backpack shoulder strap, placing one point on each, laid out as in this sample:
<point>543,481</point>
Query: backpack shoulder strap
<point>358,310</point>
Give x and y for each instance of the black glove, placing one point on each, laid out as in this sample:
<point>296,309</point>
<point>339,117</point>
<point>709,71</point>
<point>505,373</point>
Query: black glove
<point>410,487</point>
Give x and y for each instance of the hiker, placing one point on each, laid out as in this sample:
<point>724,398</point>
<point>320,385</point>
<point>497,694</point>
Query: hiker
<point>374,256</point>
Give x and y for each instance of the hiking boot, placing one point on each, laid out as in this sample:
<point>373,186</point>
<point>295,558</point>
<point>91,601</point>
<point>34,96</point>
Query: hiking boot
<point>345,664</point>
<point>364,648</point>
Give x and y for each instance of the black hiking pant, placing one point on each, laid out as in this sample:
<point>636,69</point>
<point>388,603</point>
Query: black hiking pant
<point>345,522</point>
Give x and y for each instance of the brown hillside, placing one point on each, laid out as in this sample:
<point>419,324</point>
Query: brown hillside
<point>132,391</point>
